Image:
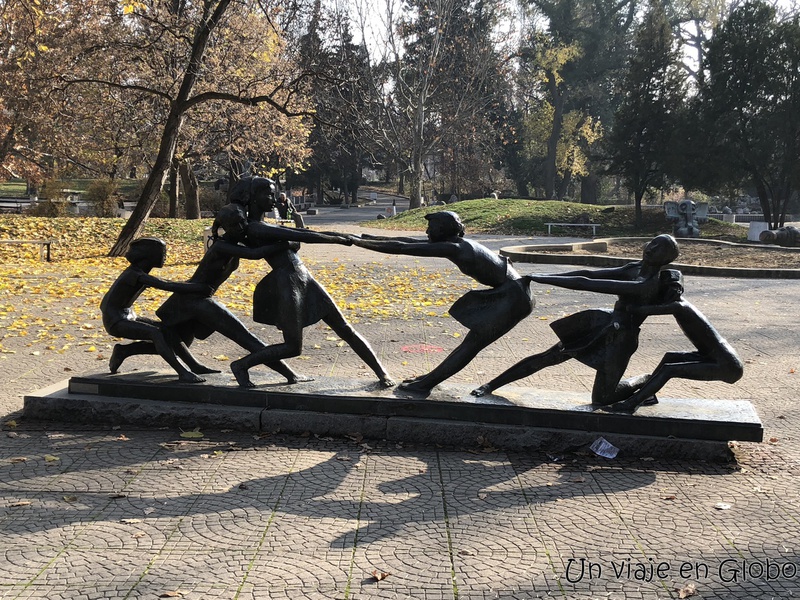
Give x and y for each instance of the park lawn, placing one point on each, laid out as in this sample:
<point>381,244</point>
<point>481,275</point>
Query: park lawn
<point>528,217</point>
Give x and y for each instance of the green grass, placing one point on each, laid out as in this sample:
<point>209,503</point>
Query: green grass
<point>528,217</point>
<point>15,188</point>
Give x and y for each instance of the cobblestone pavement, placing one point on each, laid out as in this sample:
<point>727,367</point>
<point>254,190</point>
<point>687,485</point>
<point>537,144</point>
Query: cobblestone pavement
<point>96,513</point>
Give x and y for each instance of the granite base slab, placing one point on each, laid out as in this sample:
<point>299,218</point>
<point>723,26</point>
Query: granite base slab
<point>513,417</point>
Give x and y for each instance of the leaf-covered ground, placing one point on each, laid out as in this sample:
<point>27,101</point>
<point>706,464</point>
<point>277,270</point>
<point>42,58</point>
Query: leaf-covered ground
<point>72,285</point>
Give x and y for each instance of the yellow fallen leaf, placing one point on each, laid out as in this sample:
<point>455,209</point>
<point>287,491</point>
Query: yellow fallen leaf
<point>51,458</point>
<point>191,434</point>
<point>11,424</point>
<point>221,357</point>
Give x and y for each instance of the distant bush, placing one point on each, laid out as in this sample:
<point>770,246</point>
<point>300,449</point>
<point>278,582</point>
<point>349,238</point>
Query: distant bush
<point>102,193</point>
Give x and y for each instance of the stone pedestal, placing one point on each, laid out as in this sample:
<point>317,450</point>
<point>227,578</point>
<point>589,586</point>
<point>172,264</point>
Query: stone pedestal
<point>515,417</point>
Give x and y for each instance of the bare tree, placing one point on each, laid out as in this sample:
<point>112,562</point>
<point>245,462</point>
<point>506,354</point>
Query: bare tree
<point>421,85</point>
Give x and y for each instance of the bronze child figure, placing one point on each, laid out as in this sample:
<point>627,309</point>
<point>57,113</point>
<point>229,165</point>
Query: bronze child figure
<point>713,359</point>
<point>120,320</point>
<point>291,299</point>
<point>488,314</point>
<point>604,340</point>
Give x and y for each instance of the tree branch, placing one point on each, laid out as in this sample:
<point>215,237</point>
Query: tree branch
<point>121,86</point>
<point>247,101</point>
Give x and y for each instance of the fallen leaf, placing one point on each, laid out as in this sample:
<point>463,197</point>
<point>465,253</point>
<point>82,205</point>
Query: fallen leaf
<point>687,590</point>
<point>18,459</point>
<point>344,458</point>
<point>122,438</point>
<point>175,594</point>
<point>11,424</point>
<point>722,506</point>
<point>138,535</point>
<point>51,458</point>
<point>668,497</point>
<point>70,498</point>
<point>380,575</point>
<point>21,503</point>
<point>149,510</point>
<point>192,434</point>
<point>118,496</point>
<point>130,521</point>
<point>773,440</point>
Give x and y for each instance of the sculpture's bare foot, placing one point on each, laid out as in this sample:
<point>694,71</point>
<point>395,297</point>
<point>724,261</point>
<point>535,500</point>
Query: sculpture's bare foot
<point>414,386</point>
<point>386,381</point>
<point>189,377</point>
<point>651,401</point>
<point>204,370</point>
<point>481,391</point>
<point>118,355</point>
<point>298,379</point>
<point>630,405</point>
<point>241,374</point>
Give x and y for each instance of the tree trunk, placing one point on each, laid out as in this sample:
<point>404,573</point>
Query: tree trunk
<point>320,195</point>
<point>563,186</point>
<point>191,190</point>
<point>169,138</point>
<point>415,186</point>
<point>590,189</point>
<point>550,169</point>
<point>766,207</point>
<point>152,187</point>
<point>638,195</point>
<point>174,190</point>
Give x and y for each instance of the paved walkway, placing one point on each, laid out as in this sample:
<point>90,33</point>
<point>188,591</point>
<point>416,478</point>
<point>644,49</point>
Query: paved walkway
<point>98,513</point>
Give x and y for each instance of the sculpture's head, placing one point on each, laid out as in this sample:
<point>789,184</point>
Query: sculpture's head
<point>150,251</point>
<point>253,192</point>
<point>233,222</point>
<point>444,224</point>
<point>670,285</point>
<point>661,250</point>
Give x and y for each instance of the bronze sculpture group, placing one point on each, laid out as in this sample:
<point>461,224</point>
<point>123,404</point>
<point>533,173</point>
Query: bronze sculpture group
<point>289,298</point>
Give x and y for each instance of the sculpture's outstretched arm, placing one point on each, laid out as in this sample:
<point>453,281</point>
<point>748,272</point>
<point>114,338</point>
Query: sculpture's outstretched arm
<point>602,286</point>
<point>262,234</point>
<point>173,286</point>
<point>415,248</point>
